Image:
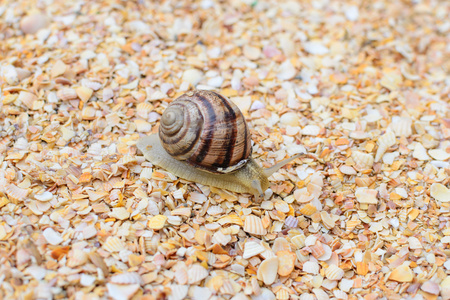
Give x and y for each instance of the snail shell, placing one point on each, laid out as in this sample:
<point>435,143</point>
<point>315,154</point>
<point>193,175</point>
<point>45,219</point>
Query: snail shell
<point>221,149</point>
<point>207,131</point>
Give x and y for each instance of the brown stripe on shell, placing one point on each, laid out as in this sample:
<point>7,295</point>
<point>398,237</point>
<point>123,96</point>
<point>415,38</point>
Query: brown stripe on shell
<point>230,116</point>
<point>247,143</point>
<point>243,148</point>
<point>241,144</point>
<point>219,126</point>
<point>206,138</point>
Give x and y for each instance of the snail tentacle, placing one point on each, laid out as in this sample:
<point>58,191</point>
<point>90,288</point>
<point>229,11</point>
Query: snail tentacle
<point>257,186</point>
<point>269,171</point>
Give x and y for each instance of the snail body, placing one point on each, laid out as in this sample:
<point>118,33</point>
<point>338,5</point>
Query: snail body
<point>204,138</point>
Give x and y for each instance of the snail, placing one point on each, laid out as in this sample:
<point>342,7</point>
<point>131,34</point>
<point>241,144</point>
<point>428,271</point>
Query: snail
<point>203,137</point>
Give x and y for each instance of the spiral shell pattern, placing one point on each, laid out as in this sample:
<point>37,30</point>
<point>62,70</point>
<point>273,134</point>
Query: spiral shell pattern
<point>207,131</point>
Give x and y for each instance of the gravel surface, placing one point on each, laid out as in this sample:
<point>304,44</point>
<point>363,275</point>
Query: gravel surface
<point>362,85</point>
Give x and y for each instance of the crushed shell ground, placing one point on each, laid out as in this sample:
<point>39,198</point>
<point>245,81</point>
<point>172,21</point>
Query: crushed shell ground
<point>362,85</point>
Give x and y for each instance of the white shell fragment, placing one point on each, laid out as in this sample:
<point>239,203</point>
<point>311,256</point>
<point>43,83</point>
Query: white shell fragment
<point>267,271</point>
<point>9,74</point>
<point>366,196</point>
<point>251,53</point>
<point>67,94</point>
<point>312,130</point>
<point>254,225</point>
<point>127,278</point>
<point>333,272</point>
<point>286,71</point>
<point>33,23</point>
<point>311,267</point>
<point>52,236</point>
<point>196,273</point>
<point>107,94</point>
<point>439,154</point>
<point>16,193</point>
<point>193,76</point>
<point>290,118</point>
<point>440,192</point>
<point>401,126</point>
<point>420,152</point>
<point>45,196</point>
<point>252,249</point>
<point>414,243</point>
<point>122,292</point>
<point>362,160</point>
<point>352,13</point>
<point>316,48</point>
<point>384,142</point>
<point>178,292</point>
<point>93,85</point>
<point>113,244</point>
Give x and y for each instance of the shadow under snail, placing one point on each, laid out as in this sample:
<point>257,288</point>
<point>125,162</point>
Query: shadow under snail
<point>204,138</point>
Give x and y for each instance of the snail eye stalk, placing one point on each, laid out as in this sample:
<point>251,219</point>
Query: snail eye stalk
<point>269,171</point>
<point>257,186</point>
